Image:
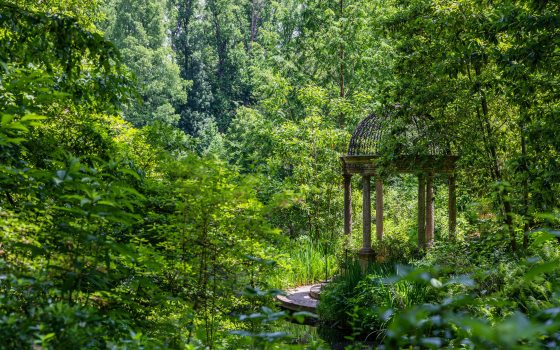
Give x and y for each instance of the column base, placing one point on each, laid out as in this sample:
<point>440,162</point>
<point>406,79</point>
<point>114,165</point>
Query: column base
<point>366,256</point>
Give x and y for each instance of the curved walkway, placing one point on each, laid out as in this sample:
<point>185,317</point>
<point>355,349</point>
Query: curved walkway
<point>302,298</point>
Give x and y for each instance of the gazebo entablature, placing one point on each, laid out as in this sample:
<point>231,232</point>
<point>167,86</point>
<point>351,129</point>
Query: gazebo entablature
<point>363,160</point>
<point>417,164</point>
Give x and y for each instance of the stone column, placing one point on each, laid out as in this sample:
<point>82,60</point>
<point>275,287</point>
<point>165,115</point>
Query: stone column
<point>421,211</point>
<point>452,207</point>
<point>366,252</point>
<point>430,210</point>
<point>348,205</point>
<point>379,208</point>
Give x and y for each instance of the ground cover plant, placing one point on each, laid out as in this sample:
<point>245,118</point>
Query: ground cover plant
<point>452,298</point>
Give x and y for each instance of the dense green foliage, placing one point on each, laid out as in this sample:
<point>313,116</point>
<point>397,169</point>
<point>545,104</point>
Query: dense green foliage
<point>460,295</point>
<point>167,165</point>
<point>139,30</point>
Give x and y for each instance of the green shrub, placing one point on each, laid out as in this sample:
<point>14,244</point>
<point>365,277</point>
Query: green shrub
<point>359,300</point>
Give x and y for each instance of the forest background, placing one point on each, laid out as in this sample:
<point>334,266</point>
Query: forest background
<point>166,165</point>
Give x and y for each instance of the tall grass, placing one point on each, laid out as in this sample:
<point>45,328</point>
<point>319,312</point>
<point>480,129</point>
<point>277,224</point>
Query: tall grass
<point>355,298</point>
<point>306,262</point>
<point>337,298</point>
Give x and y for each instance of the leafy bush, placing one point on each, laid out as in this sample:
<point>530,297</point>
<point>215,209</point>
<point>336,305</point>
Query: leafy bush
<point>356,299</point>
<point>472,294</point>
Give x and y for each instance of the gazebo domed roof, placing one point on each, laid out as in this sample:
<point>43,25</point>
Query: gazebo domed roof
<point>406,136</point>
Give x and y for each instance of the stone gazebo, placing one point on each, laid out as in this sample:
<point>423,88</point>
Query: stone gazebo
<point>363,159</point>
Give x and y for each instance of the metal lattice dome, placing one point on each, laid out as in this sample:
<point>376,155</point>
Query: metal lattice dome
<point>403,135</point>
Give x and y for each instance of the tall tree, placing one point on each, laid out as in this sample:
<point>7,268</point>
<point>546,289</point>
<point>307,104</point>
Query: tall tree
<point>479,70</point>
<point>213,40</point>
<point>141,29</point>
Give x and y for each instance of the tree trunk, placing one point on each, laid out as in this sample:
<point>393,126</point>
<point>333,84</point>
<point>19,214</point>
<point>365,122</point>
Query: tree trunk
<point>342,68</point>
<point>256,8</point>
<point>182,30</point>
<point>525,170</point>
<point>421,211</point>
<point>221,43</point>
<point>496,170</point>
<point>452,208</point>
